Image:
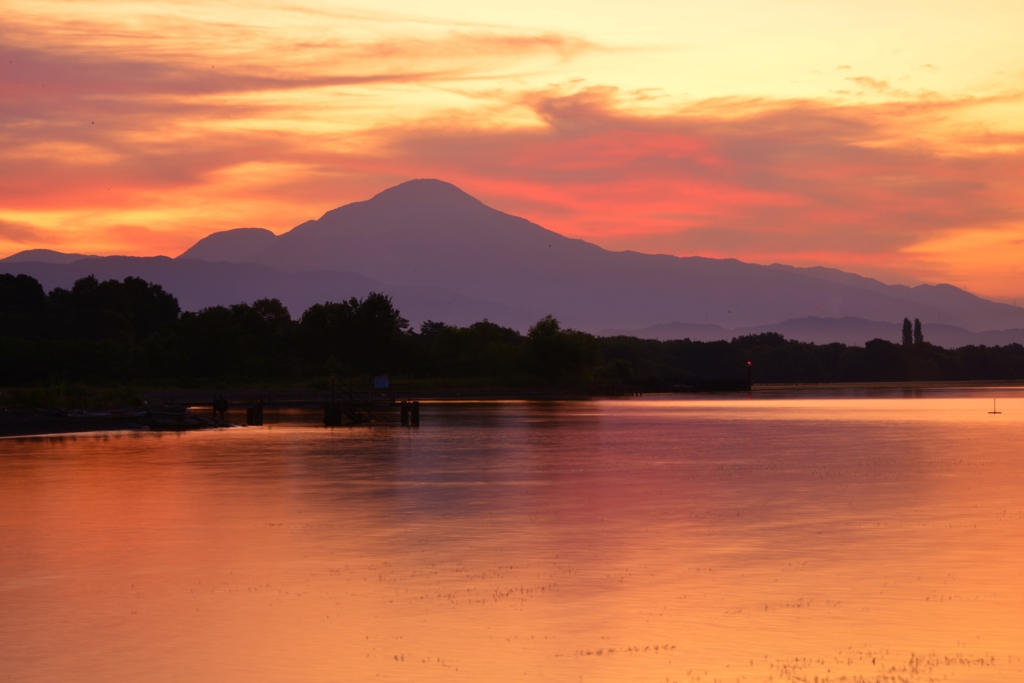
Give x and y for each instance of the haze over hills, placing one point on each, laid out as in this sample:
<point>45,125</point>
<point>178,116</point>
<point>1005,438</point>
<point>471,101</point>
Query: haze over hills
<point>431,238</point>
<point>812,329</point>
<point>198,284</point>
<point>976,312</point>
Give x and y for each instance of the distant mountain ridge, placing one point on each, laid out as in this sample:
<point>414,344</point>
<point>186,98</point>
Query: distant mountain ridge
<point>959,304</point>
<point>233,246</point>
<point>430,236</point>
<point>815,330</point>
<point>45,256</point>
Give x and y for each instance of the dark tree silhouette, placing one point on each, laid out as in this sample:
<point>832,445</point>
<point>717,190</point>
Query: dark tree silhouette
<point>483,349</point>
<point>885,362</point>
<point>131,331</point>
<point>132,309</point>
<point>232,340</point>
<point>429,329</point>
<point>364,335</point>
<point>21,294</point>
<point>749,341</point>
<point>554,354</point>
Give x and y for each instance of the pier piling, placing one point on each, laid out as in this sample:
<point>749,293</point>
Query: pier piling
<point>332,415</point>
<point>254,416</point>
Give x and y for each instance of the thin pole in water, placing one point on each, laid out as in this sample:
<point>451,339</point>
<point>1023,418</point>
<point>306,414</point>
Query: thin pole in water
<point>994,411</point>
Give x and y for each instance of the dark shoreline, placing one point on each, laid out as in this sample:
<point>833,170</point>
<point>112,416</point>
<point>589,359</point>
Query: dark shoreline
<point>201,399</point>
<point>186,410</point>
<point>15,422</point>
<point>282,397</point>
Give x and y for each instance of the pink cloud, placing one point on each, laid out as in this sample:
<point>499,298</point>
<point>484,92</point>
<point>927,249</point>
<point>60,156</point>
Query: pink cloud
<point>764,180</point>
<point>21,233</point>
<point>759,180</point>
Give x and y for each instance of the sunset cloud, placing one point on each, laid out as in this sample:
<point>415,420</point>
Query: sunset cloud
<point>872,83</point>
<point>790,181</point>
<point>140,132</point>
<point>20,233</point>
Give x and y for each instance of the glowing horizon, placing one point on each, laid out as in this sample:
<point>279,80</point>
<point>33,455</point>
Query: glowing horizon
<point>882,139</point>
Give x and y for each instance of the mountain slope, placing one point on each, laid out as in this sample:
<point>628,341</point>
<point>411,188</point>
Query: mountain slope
<point>430,233</point>
<point>960,305</point>
<point>234,246</point>
<point>44,256</point>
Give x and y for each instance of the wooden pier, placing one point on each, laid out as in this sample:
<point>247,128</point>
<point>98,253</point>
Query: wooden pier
<point>342,404</point>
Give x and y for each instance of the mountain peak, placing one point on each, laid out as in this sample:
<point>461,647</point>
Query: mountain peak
<point>429,233</point>
<point>426,191</point>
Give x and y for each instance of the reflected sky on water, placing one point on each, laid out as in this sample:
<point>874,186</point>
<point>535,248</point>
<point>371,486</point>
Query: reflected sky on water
<point>651,539</point>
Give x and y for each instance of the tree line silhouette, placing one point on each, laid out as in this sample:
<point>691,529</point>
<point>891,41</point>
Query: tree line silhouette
<point>133,332</point>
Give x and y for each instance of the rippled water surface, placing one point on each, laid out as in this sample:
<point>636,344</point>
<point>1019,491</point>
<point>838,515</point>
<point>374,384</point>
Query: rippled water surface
<point>654,539</point>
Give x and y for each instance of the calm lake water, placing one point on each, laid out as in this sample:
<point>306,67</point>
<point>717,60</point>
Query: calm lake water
<point>655,539</point>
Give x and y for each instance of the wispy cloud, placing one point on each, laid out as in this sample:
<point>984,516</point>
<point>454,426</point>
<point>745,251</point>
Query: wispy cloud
<point>142,134</point>
<point>787,181</point>
<point>21,233</point>
<point>94,124</point>
<point>872,83</point>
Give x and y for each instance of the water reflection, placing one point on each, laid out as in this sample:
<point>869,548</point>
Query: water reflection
<point>783,539</point>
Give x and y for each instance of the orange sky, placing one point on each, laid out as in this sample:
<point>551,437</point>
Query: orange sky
<point>883,138</point>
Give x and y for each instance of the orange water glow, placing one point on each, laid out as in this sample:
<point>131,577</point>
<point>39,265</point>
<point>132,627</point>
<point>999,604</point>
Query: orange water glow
<point>874,539</point>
